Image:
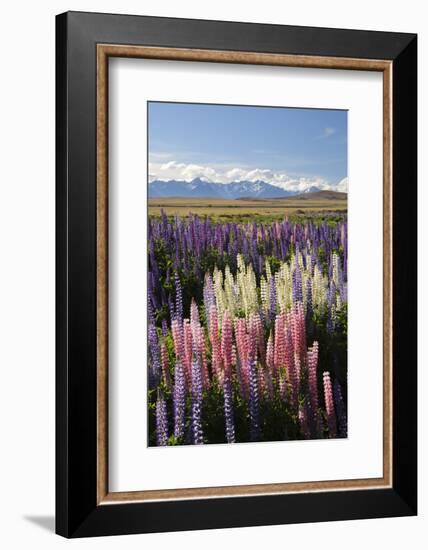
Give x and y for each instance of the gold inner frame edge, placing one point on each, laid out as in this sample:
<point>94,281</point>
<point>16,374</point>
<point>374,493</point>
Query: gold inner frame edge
<point>104,51</point>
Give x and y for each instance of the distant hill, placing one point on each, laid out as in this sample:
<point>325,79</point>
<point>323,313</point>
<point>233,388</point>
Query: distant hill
<point>322,195</point>
<point>203,188</point>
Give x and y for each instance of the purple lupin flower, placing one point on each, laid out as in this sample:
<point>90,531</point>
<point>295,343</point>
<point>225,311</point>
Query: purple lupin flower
<point>198,436</point>
<point>297,285</point>
<point>331,301</point>
<point>179,400</point>
<point>308,299</point>
<point>171,308</point>
<point>261,263</point>
<point>228,410</point>
<point>152,290</point>
<point>161,421</point>
<point>341,415</point>
<point>345,249</point>
<point>272,299</point>
<point>253,404</point>
<point>154,357</point>
<point>150,316</point>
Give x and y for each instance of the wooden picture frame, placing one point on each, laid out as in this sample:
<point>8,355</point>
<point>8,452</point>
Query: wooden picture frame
<point>85,506</point>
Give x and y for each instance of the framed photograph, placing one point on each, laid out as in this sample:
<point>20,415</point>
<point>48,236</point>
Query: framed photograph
<point>236,274</point>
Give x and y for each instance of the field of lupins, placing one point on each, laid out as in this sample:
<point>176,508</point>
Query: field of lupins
<point>247,330</point>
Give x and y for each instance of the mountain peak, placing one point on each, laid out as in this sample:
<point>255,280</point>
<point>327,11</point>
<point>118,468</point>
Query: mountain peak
<point>312,189</point>
<point>203,187</point>
<point>202,179</point>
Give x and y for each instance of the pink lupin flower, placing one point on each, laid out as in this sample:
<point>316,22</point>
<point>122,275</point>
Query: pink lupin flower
<point>242,347</point>
<point>302,329</point>
<point>329,405</point>
<point>213,315</point>
<point>293,378</point>
<point>313,384</point>
<point>252,336</point>
<point>257,335</point>
<point>188,347</point>
<point>295,331</point>
<point>292,365</point>
<point>234,356</point>
<point>282,384</point>
<point>279,347</point>
<point>261,382</point>
<point>226,343</point>
<point>241,340</point>
<point>296,319</point>
<point>177,335</point>
<point>198,341</point>
<point>270,355</point>
<point>200,344</point>
<point>194,313</point>
<point>215,344</point>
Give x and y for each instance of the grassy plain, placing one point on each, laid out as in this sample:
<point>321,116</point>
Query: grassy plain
<point>242,210</point>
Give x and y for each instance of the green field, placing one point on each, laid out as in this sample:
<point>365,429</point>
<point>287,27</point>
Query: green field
<point>222,210</point>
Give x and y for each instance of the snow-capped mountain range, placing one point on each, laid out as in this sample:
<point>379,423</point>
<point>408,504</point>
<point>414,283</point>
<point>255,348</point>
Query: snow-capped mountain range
<point>204,188</point>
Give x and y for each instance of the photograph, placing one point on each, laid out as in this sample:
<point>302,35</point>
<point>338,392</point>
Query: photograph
<point>247,273</point>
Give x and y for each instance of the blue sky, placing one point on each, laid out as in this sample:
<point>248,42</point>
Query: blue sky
<point>287,147</point>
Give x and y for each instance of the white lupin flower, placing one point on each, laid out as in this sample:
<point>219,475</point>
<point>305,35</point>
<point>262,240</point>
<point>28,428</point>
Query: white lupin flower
<point>240,293</point>
<point>265,294</point>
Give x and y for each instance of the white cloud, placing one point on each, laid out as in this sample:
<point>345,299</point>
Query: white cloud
<point>173,170</point>
<point>329,132</point>
<point>342,185</point>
